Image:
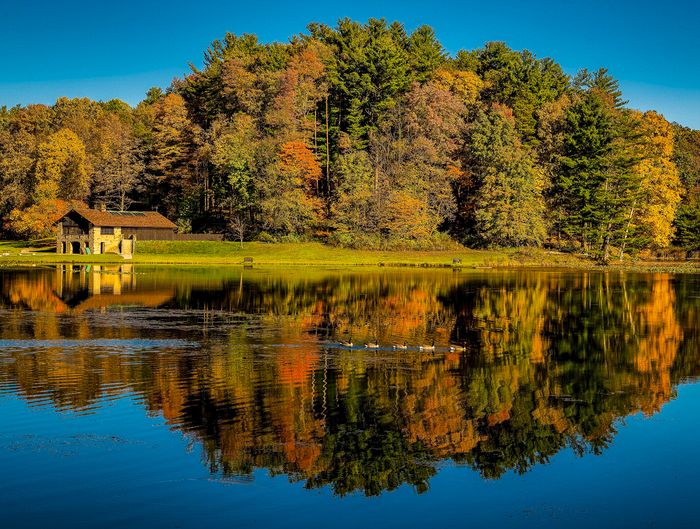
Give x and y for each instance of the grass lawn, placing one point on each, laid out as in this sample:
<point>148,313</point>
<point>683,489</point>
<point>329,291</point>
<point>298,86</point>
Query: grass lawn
<point>312,253</point>
<point>294,254</point>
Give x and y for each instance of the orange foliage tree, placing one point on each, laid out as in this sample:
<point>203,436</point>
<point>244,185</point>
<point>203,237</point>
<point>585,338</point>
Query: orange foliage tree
<point>37,220</point>
<point>298,162</point>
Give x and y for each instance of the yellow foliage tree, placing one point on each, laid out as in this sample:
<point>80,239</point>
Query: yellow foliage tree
<point>61,168</point>
<point>466,85</point>
<point>660,182</point>
<point>407,217</point>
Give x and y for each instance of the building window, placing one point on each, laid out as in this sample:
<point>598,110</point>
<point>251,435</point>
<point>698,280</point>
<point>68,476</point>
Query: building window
<point>107,231</point>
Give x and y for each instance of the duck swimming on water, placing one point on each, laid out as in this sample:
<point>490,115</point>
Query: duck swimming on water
<point>372,345</point>
<point>400,346</point>
<point>430,347</point>
<point>347,343</point>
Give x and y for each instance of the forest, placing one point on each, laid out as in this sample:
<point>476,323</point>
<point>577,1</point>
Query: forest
<point>366,135</point>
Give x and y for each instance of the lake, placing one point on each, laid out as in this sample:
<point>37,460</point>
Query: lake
<point>185,397</point>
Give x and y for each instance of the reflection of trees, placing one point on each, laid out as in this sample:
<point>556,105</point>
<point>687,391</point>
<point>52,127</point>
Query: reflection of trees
<point>687,308</point>
<point>553,360</point>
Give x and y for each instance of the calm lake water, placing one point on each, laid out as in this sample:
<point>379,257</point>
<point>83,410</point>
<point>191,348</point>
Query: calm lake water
<point>163,397</point>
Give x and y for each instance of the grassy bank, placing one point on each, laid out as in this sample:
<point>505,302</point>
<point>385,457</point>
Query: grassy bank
<point>313,254</point>
<point>290,254</point>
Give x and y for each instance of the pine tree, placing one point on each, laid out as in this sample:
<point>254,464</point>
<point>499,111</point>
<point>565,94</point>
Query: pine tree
<point>686,156</point>
<point>600,80</point>
<point>596,185</point>
<point>425,53</point>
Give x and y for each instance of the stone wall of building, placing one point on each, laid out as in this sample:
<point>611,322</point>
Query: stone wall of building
<point>97,240</point>
<point>72,244</point>
<point>101,242</point>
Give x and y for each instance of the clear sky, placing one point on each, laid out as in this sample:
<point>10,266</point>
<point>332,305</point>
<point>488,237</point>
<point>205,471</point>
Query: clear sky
<point>118,49</point>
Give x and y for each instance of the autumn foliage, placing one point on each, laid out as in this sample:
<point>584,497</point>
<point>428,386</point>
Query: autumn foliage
<point>370,136</point>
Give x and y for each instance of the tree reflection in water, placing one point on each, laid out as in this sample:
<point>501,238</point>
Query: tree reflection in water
<point>552,360</point>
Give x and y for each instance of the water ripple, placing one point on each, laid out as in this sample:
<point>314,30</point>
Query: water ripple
<point>140,343</point>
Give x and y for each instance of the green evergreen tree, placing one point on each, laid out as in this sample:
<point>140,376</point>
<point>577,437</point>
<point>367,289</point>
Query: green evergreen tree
<point>425,53</point>
<point>600,80</point>
<point>596,185</point>
<point>518,80</point>
<point>686,156</point>
<point>508,206</point>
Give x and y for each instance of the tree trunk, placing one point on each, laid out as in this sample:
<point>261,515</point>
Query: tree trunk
<point>606,249</point>
<point>627,229</point>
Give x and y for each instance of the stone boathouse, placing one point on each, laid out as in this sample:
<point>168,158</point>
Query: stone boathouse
<point>98,231</point>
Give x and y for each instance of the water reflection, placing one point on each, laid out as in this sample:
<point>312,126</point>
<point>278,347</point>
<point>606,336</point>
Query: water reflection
<point>552,361</point>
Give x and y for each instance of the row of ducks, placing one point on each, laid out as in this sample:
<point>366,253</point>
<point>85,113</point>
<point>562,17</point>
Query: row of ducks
<point>375,345</point>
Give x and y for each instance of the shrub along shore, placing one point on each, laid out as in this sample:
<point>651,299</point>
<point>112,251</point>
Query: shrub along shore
<point>321,255</point>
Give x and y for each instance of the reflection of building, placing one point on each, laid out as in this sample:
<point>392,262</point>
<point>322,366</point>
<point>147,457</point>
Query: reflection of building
<point>99,231</point>
<point>91,287</point>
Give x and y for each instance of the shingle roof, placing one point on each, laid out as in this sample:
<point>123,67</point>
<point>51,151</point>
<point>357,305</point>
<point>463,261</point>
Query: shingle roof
<point>125,219</point>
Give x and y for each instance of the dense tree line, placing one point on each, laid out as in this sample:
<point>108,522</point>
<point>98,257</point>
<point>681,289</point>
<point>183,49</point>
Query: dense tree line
<point>367,135</point>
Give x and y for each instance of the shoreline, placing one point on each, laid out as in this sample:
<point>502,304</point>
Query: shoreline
<point>318,255</point>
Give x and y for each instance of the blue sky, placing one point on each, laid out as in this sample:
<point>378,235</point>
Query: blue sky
<point>106,50</point>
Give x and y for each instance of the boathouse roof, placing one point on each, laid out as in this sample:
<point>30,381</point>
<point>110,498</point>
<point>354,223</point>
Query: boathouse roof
<point>123,219</point>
